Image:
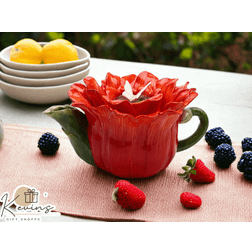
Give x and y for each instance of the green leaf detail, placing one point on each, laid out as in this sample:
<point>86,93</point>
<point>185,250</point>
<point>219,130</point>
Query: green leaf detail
<point>193,172</point>
<point>185,168</point>
<point>74,123</point>
<point>190,163</point>
<point>189,169</point>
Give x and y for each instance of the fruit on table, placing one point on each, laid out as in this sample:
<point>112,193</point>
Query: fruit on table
<point>247,144</point>
<point>190,200</point>
<point>197,171</point>
<point>224,155</point>
<point>59,50</point>
<point>217,136</point>
<point>26,51</point>
<point>48,144</point>
<point>128,196</point>
<point>245,164</point>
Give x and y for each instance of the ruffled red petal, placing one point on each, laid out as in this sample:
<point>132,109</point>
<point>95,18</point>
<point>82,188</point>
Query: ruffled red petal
<point>147,107</point>
<point>78,93</point>
<point>130,78</point>
<point>91,83</point>
<point>95,98</point>
<point>113,93</point>
<point>142,80</point>
<point>162,94</point>
<point>113,81</point>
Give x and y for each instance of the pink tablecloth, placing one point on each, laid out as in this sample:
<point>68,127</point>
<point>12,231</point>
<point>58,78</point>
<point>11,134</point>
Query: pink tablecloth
<point>76,188</point>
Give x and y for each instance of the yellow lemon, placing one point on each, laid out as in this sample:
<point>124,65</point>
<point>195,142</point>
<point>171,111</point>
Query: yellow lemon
<point>59,50</point>
<point>26,51</point>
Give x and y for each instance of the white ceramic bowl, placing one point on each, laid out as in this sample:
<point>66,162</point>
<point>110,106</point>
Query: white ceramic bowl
<point>37,95</point>
<point>43,74</point>
<point>83,56</point>
<point>44,82</point>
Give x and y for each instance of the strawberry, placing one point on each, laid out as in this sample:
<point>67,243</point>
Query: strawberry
<point>128,196</point>
<point>197,171</point>
<point>190,200</point>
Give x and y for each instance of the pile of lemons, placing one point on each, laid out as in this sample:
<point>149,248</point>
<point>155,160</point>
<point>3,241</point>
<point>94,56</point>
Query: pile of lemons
<point>28,51</point>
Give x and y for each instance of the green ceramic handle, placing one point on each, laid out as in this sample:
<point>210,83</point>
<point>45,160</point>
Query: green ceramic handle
<point>199,133</point>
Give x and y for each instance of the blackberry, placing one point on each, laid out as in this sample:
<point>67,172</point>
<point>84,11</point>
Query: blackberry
<point>245,164</point>
<point>212,132</point>
<point>217,136</point>
<point>224,155</point>
<point>247,144</point>
<point>48,144</point>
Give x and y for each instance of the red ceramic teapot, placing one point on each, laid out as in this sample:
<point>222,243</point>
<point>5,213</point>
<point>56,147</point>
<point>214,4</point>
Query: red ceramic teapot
<point>129,126</point>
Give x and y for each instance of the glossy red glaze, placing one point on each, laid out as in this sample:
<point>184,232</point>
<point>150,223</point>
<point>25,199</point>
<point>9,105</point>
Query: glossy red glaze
<point>132,140</point>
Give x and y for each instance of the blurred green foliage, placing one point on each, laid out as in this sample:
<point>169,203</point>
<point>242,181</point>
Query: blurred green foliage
<point>227,51</point>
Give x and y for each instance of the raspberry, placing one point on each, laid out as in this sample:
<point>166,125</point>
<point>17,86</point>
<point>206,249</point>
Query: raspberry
<point>224,155</point>
<point>48,144</point>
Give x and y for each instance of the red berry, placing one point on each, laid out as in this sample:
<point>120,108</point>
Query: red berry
<point>197,171</point>
<point>203,174</point>
<point>190,200</point>
<point>128,196</point>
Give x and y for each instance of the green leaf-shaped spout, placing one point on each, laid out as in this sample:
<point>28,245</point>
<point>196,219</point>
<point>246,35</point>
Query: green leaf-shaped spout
<point>74,123</point>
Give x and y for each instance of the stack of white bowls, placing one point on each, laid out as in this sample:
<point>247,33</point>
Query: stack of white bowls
<point>41,83</point>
